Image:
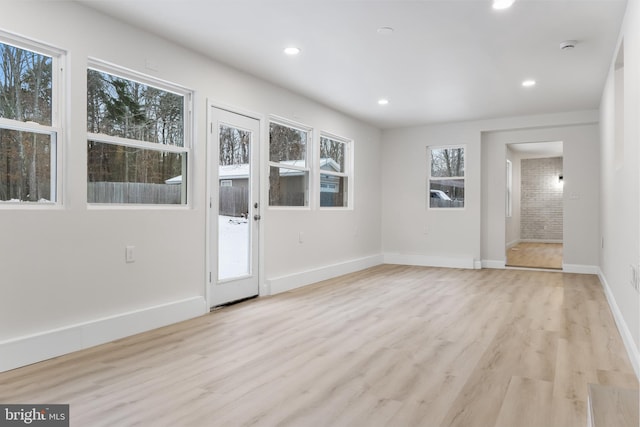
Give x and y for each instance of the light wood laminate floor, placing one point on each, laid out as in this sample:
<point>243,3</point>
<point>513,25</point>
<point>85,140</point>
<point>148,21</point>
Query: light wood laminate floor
<point>388,346</point>
<point>535,255</point>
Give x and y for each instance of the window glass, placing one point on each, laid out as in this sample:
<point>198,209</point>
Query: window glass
<point>446,177</point>
<point>25,85</point>
<point>332,152</point>
<point>136,150</point>
<point>334,172</point>
<point>288,187</point>
<point>289,170</point>
<point>28,133</point>
<point>25,166</point>
<point>287,144</point>
<point>128,109</point>
<point>333,191</point>
<point>120,174</point>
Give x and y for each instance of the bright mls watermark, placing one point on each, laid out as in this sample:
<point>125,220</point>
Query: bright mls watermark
<point>34,415</point>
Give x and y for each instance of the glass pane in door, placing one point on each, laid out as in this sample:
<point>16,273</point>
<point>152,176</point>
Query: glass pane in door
<point>234,224</point>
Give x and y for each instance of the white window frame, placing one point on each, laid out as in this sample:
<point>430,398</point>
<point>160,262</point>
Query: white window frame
<point>56,130</point>
<point>436,178</point>
<point>304,169</point>
<point>347,173</point>
<point>186,150</point>
<point>509,189</point>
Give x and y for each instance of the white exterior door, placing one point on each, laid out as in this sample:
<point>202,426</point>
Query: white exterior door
<point>234,209</point>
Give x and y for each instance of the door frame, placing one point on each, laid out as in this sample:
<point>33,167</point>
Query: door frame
<point>520,195</point>
<point>211,191</point>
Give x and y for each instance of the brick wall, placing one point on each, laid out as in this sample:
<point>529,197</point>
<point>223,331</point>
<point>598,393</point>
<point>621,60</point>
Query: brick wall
<point>541,199</point>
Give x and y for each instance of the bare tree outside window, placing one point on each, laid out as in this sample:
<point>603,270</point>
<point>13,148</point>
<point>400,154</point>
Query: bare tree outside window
<point>234,146</point>
<point>446,177</point>
<point>288,171</point>
<point>333,150</point>
<point>148,157</point>
<point>26,90</point>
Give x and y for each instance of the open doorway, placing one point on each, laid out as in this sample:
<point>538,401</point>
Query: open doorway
<point>534,205</point>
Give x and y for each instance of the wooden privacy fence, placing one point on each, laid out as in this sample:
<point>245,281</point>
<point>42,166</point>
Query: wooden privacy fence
<point>134,192</point>
<point>234,201</point>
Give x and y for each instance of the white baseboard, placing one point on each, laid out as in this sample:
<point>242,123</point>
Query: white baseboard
<point>625,333</point>
<point>580,269</point>
<point>34,348</point>
<point>513,243</point>
<point>429,260</point>
<point>298,280</point>
<point>489,263</point>
<point>541,241</point>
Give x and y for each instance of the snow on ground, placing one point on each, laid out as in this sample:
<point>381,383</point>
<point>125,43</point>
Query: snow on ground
<point>233,247</point>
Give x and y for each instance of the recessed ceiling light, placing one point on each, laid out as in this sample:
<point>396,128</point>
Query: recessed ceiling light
<point>502,4</point>
<point>529,83</point>
<point>291,50</point>
<point>385,31</point>
<point>383,101</point>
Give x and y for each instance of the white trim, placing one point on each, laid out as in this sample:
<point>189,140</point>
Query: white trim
<point>625,333</point>
<point>540,241</point>
<point>59,105</point>
<point>509,189</point>
<point>135,143</point>
<point>429,260</point>
<point>490,263</point>
<point>137,206</point>
<point>116,70</point>
<point>280,284</point>
<point>309,160</point>
<point>580,269</point>
<point>25,350</point>
<point>430,178</point>
<point>257,171</point>
<point>347,172</point>
<point>477,264</point>
<point>548,270</point>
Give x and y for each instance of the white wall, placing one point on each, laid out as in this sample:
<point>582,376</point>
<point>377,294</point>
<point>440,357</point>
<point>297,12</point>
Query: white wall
<point>64,279</point>
<point>620,188</point>
<point>477,233</point>
<point>581,190</point>
<point>413,234</point>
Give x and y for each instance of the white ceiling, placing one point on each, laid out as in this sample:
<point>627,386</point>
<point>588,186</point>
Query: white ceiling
<point>447,60</point>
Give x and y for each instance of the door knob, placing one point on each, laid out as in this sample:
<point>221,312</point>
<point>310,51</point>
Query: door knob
<point>257,217</point>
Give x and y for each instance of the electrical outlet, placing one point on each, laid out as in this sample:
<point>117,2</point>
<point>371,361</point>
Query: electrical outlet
<point>129,254</point>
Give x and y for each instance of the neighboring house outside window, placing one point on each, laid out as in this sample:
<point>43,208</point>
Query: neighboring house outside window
<point>335,170</point>
<point>30,121</point>
<point>289,167</point>
<point>446,177</point>
<point>138,137</point>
